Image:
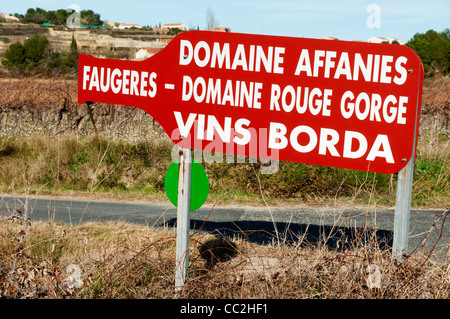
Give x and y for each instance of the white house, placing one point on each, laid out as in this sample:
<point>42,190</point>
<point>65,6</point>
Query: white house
<point>143,54</point>
<point>180,26</point>
<point>381,40</point>
<point>129,26</point>
<point>328,38</point>
<point>8,18</point>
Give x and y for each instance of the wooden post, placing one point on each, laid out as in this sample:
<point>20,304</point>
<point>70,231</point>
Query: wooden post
<point>183,218</point>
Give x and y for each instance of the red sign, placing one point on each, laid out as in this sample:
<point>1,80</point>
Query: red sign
<point>334,103</point>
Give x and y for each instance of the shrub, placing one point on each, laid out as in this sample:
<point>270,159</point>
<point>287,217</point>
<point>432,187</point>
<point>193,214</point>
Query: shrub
<point>15,56</point>
<point>34,50</point>
<point>433,49</point>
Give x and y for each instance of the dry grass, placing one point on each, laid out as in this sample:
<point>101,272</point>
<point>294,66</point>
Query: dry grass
<point>116,260</point>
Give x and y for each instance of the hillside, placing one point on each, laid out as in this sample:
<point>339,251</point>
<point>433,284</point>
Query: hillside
<point>109,43</point>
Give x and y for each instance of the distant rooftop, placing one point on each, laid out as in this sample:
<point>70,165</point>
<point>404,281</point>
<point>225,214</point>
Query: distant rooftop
<point>180,26</point>
<point>129,25</point>
<point>371,40</point>
<point>328,38</point>
<point>222,29</point>
<point>381,40</point>
<point>8,17</point>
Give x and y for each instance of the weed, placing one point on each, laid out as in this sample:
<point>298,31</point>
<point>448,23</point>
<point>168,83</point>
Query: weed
<point>119,260</point>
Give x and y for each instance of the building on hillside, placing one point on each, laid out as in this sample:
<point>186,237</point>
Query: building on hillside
<point>371,40</point>
<point>328,38</point>
<point>384,40</point>
<point>129,26</point>
<point>8,18</point>
<point>145,53</point>
<point>222,29</point>
<point>110,24</point>
<point>180,26</point>
<point>165,39</point>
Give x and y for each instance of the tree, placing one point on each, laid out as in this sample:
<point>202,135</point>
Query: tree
<point>15,56</point>
<point>65,61</point>
<point>35,16</point>
<point>72,57</point>
<point>51,17</point>
<point>433,49</point>
<point>37,48</point>
<point>174,31</point>
<point>211,21</point>
<point>59,17</point>
<point>28,17</point>
<point>90,17</point>
<point>19,16</point>
<point>62,15</point>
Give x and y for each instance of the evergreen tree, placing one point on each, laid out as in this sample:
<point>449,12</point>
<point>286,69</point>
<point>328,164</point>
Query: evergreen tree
<point>89,17</point>
<point>37,48</point>
<point>433,49</point>
<point>72,57</point>
<point>15,56</point>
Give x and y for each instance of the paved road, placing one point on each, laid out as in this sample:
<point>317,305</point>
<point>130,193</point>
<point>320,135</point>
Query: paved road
<point>255,224</point>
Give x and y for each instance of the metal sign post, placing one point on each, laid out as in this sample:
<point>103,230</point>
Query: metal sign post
<point>404,190</point>
<point>183,219</point>
<point>403,211</point>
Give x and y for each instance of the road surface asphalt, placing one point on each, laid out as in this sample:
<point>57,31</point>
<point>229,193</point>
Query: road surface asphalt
<point>428,228</point>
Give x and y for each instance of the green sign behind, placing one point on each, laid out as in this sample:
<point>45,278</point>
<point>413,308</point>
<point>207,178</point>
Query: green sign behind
<point>199,185</point>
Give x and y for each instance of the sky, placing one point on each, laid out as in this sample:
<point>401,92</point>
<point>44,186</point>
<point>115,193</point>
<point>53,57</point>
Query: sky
<point>342,19</point>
